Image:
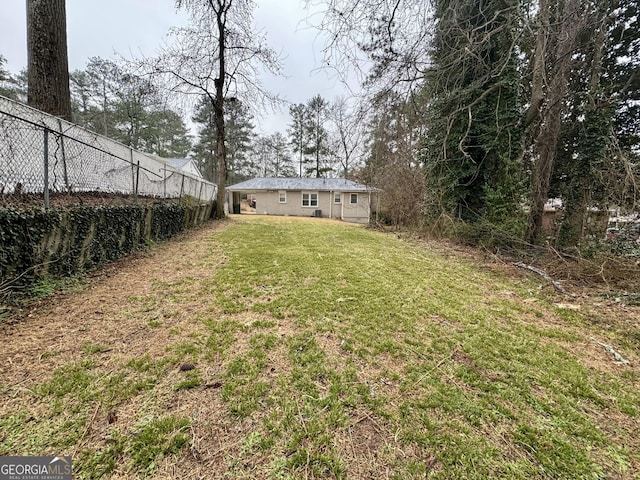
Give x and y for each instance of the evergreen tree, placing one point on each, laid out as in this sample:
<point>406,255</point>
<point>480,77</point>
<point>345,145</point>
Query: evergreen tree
<point>318,146</point>
<point>109,100</point>
<point>12,86</point>
<point>278,161</point>
<point>298,135</point>
<point>102,84</point>
<point>204,150</point>
<point>4,77</point>
<point>239,139</point>
<point>474,142</point>
<point>165,134</point>
<point>239,133</point>
<point>83,110</point>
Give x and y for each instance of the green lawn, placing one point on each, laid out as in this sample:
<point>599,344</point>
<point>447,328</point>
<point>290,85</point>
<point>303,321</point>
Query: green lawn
<point>318,349</point>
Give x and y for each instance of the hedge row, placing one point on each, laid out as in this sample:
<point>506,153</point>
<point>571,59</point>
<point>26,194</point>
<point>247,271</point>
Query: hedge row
<point>63,241</point>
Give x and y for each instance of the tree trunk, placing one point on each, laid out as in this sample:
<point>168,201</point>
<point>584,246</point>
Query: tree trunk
<point>301,137</point>
<point>48,66</point>
<point>538,74</point>
<point>218,108</point>
<point>546,145</point>
<point>580,183</point>
<point>546,142</point>
<point>575,216</point>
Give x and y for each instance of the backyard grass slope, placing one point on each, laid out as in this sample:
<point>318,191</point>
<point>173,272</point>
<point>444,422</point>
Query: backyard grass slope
<point>270,347</point>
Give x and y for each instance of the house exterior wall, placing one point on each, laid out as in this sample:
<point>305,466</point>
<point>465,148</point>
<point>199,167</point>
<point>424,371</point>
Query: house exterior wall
<point>268,203</point>
<point>191,168</point>
<point>359,211</point>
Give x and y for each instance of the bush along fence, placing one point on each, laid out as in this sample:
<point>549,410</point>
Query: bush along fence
<point>40,153</point>
<point>56,243</point>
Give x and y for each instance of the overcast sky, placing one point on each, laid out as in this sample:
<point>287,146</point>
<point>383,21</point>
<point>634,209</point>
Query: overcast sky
<point>104,28</point>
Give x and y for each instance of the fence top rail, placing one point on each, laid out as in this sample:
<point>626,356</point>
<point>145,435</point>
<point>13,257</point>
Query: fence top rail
<point>26,109</point>
<point>48,129</point>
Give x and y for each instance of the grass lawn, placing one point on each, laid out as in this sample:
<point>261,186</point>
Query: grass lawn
<point>275,348</point>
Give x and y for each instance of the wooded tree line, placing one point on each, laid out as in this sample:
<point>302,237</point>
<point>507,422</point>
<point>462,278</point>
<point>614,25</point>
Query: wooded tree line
<point>108,97</point>
<point>499,105</point>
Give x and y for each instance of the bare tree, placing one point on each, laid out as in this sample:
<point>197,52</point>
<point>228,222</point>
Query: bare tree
<point>348,133</point>
<point>47,60</point>
<point>221,56</point>
<point>385,43</point>
<point>392,160</point>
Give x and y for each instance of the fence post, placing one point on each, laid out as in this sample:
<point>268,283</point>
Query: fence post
<point>133,171</point>
<point>46,168</point>
<point>182,186</point>
<point>64,157</point>
<point>200,192</point>
<point>137,179</point>
<point>164,183</point>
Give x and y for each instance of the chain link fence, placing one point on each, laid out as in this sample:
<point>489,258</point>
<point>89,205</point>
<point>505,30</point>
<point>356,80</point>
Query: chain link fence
<point>40,153</point>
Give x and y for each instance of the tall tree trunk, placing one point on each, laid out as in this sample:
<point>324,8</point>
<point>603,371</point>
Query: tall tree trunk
<point>301,133</point>
<point>538,74</point>
<point>546,142</point>
<point>545,147</point>
<point>218,108</point>
<point>318,152</point>
<point>48,65</point>
<point>597,118</point>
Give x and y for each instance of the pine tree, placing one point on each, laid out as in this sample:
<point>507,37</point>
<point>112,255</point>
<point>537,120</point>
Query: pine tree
<point>239,138</point>
<point>277,161</point>
<point>239,133</point>
<point>318,146</point>
<point>12,86</point>
<point>204,149</point>
<point>298,134</point>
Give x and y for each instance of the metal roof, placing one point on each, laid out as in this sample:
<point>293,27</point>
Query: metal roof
<point>296,183</point>
<point>177,162</point>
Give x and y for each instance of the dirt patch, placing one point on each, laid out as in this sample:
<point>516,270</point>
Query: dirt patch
<point>127,315</point>
<point>368,446</point>
<point>117,310</point>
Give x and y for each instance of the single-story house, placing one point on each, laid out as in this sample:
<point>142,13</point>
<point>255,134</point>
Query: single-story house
<point>187,165</point>
<point>308,197</point>
<point>595,222</point>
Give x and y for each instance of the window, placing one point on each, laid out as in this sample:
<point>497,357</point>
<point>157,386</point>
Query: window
<point>309,199</point>
<point>282,197</point>
<point>354,198</point>
<point>337,198</point>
